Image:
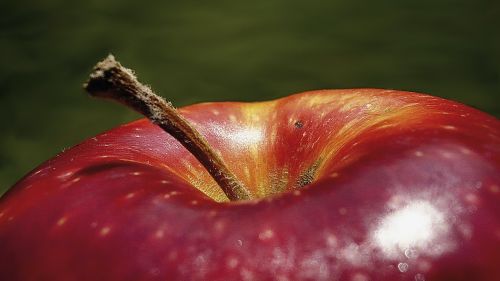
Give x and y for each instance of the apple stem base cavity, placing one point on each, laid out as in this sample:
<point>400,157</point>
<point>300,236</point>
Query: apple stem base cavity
<point>111,80</point>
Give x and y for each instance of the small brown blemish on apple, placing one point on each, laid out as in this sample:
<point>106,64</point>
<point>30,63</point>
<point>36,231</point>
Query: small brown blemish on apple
<point>232,262</point>
<point>298,124</point>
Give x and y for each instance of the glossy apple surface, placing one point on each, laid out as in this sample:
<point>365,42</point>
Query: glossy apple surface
<point>356,185</point>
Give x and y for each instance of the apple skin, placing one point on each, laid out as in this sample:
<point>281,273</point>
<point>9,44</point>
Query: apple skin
<point>406,187</point>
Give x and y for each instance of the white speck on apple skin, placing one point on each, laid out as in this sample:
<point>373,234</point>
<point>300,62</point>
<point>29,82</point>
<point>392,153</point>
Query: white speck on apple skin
<point>219,226</point>
<point>130,195</point>
<point>419,153</point>
<point>232,262</point>
<point>359,277</point>
<point>331,240</point>
<point>159,234</point>
<point>61,221</point>
<point>64,176</point>
<point>136,173</point>
<point>449,127</point>
<point>104,231</point>
<point>266,234</point>
<point>246,275</point>
<point>447,154</point>
<point>472,198</point>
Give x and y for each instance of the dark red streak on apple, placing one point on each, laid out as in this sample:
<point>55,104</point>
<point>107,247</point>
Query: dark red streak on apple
<point>401,187</point>
<point>112,81</point>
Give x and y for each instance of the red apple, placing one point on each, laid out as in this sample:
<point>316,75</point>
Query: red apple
<point>356,185</point>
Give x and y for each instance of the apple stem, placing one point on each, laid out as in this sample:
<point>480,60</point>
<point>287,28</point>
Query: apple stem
<point>109,79</point>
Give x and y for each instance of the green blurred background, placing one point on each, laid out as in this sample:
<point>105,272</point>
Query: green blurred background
<point>194,51</point>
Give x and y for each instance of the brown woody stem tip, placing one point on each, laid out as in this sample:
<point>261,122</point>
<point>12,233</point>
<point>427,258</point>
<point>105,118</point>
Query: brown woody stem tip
<point>109,79</point>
